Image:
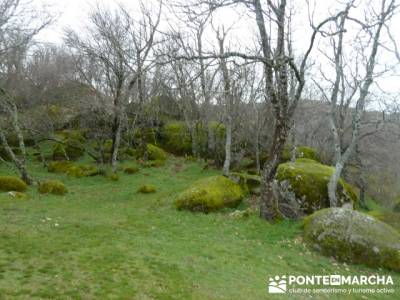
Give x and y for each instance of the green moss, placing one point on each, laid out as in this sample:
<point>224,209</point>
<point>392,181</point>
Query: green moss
<point>113,177</point>
<point>309,181</point>
<point>72,169</point>
<point>12,183</point>
<point>71,149</point>
<point>391,218</point>
<point>396,207</point>
<point>210,194</point>
<point>52,187</point>
<point>146,189</point>
<point>353,237</point>
<point>301,152</point>
<point>248,182</point>
<point>18,195</point>
<point>131,170</point>
<point>155,153</point>
<point>176,138</point>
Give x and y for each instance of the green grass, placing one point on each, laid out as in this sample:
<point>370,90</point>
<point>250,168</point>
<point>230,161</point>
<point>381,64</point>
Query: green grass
<point>103,240</point>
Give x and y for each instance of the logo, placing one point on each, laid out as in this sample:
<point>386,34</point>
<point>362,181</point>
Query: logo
<point>339,284</point>
<point>277,285</point>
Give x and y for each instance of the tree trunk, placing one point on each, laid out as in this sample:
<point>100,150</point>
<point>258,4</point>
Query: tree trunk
<point>269,208</point>
<point>333,183</point>
<point>228,145</point>
<point>115,147</point>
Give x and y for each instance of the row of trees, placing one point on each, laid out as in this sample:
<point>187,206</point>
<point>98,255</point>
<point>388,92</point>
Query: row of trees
<point>123,59</point>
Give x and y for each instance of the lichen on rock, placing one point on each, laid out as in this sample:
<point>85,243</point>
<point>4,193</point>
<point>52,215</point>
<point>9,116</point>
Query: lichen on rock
<point>354,237</point>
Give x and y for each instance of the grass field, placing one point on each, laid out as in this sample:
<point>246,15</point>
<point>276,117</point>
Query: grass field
<point>103,240</point>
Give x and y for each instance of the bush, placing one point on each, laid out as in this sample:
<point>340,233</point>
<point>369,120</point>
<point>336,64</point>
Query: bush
<point>210,194</point>
<point>146,189</point>
<point>12,183</point>
<point>396,207</point>
<point>308,180</point>
<point>52,187</point>
<point>353,237</point>
<point>131,170</point>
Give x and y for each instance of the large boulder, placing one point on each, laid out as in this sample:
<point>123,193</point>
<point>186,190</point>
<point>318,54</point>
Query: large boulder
<point>210,194</point>
<point>308,181</point>
<point>353,237</point>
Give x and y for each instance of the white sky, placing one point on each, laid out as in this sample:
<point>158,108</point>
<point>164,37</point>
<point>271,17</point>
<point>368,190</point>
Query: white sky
<point>73,14</point>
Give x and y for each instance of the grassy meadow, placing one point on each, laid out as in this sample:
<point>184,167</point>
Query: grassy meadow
<point>103,240</point>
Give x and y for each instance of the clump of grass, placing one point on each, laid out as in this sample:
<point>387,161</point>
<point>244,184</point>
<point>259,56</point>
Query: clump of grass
<point>12,183</point>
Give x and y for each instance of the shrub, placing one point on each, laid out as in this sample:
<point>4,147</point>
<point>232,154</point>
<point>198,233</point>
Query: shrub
<point>210,194</point>
<point>131,170</point>
<point>12,183</point>
<point>354,237</point>
<point>146,189</point>
<point>52,187</point>
<point>308,180</point>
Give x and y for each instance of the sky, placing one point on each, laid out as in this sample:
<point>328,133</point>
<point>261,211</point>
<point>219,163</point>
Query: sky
<point>73,14</point>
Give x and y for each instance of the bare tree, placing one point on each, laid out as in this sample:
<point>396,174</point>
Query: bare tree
<point>350,88</point>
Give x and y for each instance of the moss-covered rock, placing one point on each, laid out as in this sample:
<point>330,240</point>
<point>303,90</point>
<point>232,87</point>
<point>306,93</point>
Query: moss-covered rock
<point>18,195</point>
<point>146,189</point>
<point>308,180</point>
<point>176,138</point>
<point>391,218</point>
<point>12,183</point>
<point>72,169</point>
<point>210,194</point>
<point>70,149</point>
<point>249,183</point>
<point>131,170</point>
<point>156,153</point>
<point>301,152</point>
<point>113,177</point>
<point>55,187</point>
<point>353,237</point>
<point>396,207</point>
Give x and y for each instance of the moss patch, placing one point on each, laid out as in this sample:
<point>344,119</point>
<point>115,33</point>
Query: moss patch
<point>309,181</point>
<point>12,183</point>
<point>156,153</point>
<point>391,218</point>
<point>131,170</point>
<point>72,169</point>
<point>146,189</point>
<point>176,138</point>
<point>210,194</point>
<point>52,187</point>
<point>353,237</point>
